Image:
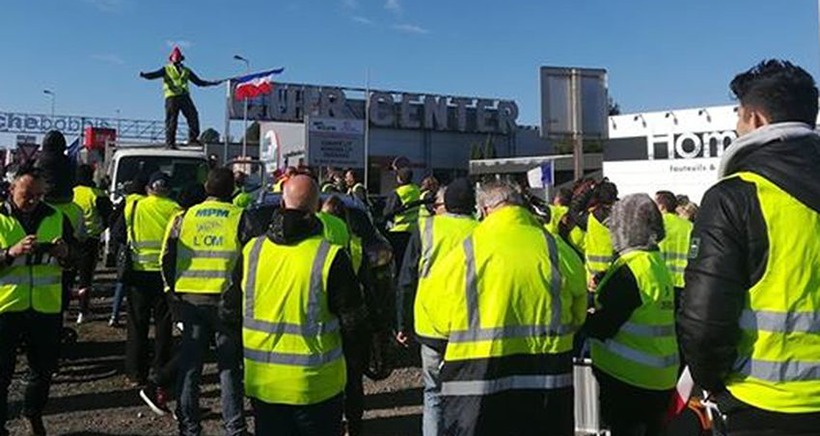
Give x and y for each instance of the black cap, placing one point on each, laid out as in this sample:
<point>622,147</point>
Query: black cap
<point>459,198</point>
<point>159,180</point>
<point>54,141</point>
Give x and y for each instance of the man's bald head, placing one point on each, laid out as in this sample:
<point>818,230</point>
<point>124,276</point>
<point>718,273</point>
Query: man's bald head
<point>301,193</point>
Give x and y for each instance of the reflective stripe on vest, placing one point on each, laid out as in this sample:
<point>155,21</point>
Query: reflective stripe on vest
<point>207,248</point>
<point>407,220</point>
<point>292,343</point>
<point>32,281</point>
<point>644,351</point>
<point>675,246</point>
<point>488,387</point>
<point>598,247</point>
<point>175,82</point>
<point>778,364</point>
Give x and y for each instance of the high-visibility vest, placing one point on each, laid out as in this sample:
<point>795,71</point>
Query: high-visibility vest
<point>408,220</point>
<point>424,210</point>
<point>334,229</point>
<point>86,198</point>
<point>577,237</point>
<point>292,342</point>
<point>439,235</point>
<point>556,213</point>
<point>175,82</point>
<point>33,281</point>
<point>598,247</point>
<point>509,261</point>
<point>675,246</point>
<point>356,252</point>
<point>242,199</point>
<point>146,229</point>
<point>207,248</point>
<point>778,368</point>
<point>644,352</point>
<point>75,216</point>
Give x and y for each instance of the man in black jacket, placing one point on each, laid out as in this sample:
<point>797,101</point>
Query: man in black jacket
<point>747,321</point>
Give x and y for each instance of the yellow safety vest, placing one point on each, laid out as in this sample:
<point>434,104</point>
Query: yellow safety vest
<point>175,83</point>
<point>75,217</point>
<point>439,235</point>
<point>407,220</point>
<point>556,213</point>
<point>242,199</point>
<point>356,252</point>
<point>207,248</point>
<point>86,198</point>
<point>644,352</point>
<point>146,229</point>
<point>292,342</point>
<point>508,261</point>
<point>778,366</point>
<point>33,281</point>
<point>598,244</point>
<point>334,229</point>
<point>675,246</point>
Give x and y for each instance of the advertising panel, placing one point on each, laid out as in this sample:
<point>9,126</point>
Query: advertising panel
<point>335,143</point>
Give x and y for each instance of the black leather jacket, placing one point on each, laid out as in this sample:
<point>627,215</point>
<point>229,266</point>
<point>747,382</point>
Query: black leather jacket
<point>729,251</point>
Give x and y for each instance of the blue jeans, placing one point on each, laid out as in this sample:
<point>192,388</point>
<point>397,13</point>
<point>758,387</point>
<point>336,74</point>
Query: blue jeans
<point>201,323</point>
<point>119,294</point>
<point>430,368</point>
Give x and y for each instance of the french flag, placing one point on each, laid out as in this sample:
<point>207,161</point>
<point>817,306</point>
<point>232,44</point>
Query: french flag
<point>255,84</point>
<point>680,398</point>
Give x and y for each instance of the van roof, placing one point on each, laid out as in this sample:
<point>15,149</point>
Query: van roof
<point>159,152</point>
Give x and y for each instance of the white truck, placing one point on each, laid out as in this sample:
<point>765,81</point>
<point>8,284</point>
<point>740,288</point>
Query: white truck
<point>123,162</point>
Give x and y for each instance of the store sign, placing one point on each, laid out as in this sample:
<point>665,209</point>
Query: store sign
<point>335,143</point>
<point>291,102</point>
<point>689,145</point>
<point>31,123</point>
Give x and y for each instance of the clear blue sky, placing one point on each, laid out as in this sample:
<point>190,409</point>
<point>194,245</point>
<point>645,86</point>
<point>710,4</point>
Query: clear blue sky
<point>660,54</point>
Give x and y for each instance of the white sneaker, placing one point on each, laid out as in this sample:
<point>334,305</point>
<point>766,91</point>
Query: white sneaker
<point>180,326</point>
<point>80,318</point>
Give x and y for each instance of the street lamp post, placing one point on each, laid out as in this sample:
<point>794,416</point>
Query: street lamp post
<point>245,115</point>
<point>53,97</point>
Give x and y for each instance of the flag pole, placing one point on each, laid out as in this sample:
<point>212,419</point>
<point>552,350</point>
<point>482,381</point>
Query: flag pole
<point>227,121</point>
<point>367,127</point>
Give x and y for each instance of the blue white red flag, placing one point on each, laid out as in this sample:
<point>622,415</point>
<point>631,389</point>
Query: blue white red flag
<point>255,84</point>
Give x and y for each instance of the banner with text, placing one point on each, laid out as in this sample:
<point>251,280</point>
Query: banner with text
<point>335,142</point>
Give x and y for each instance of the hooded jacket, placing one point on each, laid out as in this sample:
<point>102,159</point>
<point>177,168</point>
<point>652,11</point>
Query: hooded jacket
<point>730,246</point>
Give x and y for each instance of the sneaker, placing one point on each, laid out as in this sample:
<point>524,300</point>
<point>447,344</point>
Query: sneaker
<point>35,426</point>
<point>180,326</point>
<point>80,318</point>
<point>113,322</point>
<point>156,398</point>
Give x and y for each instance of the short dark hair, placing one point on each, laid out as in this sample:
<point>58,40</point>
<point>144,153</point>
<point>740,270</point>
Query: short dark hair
<point>780,90</point>
<point>30,171</point>
<point>405,175</point>
<point>220,183</point>
<point>336,207</point>
<point>564,196</point>
<point>668,200</point>
<point>606,193</point>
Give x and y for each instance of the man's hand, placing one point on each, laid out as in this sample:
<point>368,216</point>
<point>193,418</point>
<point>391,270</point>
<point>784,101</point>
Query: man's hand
<point>403,339</point>
<point>59,250</point>
<point>24,247</point>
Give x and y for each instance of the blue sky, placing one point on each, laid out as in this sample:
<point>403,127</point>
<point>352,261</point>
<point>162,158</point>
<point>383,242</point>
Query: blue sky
<point>660,54</point>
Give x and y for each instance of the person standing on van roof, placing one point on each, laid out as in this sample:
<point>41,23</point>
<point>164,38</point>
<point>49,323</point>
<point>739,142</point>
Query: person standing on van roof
<point>175,77</point>
<point>748,321</point>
